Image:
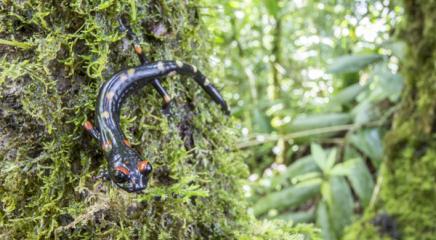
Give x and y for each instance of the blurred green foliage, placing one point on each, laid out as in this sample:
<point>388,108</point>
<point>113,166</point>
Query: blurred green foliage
<point>314,85</point>
<point>54,55</point>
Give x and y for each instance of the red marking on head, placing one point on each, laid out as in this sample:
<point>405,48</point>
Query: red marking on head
<point>88,125</point>
<point>127,142</point>
<point>142,165</point>
<point>122,169</point>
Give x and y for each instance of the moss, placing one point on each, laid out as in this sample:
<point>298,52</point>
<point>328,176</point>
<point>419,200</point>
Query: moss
<point>408,190</point>
<point>54,56</point>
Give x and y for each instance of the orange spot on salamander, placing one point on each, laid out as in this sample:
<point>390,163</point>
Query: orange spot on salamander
<point>88,125</point>
<point>127,142</point>
<point>142,165</point>
<point>122,169</point>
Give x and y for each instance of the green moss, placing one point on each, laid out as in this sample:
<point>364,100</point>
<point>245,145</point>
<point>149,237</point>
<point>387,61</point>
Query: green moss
<point>408,190</point>
<point>54,58</point>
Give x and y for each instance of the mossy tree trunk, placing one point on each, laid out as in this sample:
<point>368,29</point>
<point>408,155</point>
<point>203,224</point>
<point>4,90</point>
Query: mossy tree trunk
<point>54,55</point>
<point>406,207</point>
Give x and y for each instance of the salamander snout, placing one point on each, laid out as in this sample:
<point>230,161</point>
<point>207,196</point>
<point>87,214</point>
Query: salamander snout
<point>132,177</point>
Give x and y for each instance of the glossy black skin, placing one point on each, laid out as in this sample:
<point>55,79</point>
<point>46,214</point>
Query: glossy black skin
<point>110,99</point>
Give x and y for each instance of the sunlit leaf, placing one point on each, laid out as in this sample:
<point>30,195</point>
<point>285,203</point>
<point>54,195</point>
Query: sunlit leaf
<point>353,63</point>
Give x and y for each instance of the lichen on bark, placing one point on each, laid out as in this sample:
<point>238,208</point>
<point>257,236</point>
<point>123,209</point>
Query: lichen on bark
<point>53,57</point>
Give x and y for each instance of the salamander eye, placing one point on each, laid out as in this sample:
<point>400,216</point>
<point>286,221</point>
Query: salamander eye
<point>121,174</point>
<point>144,167</point>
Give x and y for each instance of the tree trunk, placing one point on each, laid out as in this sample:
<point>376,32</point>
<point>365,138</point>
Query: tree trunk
<point>54,57</point>
<point>406,207</point>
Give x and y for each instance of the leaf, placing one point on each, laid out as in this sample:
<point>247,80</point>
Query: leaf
<point>323,221</point>
<point>353,63</point>
<point>298,217</point>
<point>307,177</point>
<point>305,122</point>
<point>348,94</point>
<point>272,6</point>
<point>398,48</point>
<point>368,141</point>
<point>361,180</point>
<point>299,167</point>
<point>365,112</point>
<point>385,84</point>
<point>331,159</point>
<point>319,156</point>
<point>341,205</point>
<point>261,122</point>
<point>342,169</point>
<point>288,198</point>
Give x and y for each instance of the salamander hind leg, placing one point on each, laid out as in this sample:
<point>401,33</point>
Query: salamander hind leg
<point>168,68</point>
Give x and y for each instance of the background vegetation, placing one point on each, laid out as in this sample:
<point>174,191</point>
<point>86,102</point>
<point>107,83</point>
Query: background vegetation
<point>316,85</point>
<point>333,112</point>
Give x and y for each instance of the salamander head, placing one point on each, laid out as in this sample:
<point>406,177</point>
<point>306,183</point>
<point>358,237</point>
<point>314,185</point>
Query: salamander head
<point>129,171</point>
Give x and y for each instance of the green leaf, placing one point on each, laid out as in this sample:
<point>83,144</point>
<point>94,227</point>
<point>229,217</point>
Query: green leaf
<point>272,6</point>
<point>298,217</point>
<point>323,221</point>
<point>305,122</point>
<point>287,198</point>
<point>398,48</point>
<point>331,159</point>
<point>319,156</point>
<point>353,63</point>
<point>341,204</point>
<point>299,167</point>
<point>365,112</point>
<point>368,141</point>
<point>261,122</point>
<point>361,180</point>
<point>342,169</point>
<point>384,84</point>
<point>348,94</point>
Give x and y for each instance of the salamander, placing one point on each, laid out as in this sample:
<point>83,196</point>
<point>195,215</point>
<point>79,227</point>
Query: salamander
<point>127,169</point>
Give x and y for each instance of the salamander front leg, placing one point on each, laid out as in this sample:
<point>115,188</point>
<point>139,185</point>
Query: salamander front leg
<point>162,92</point>
<point>92,130</point>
